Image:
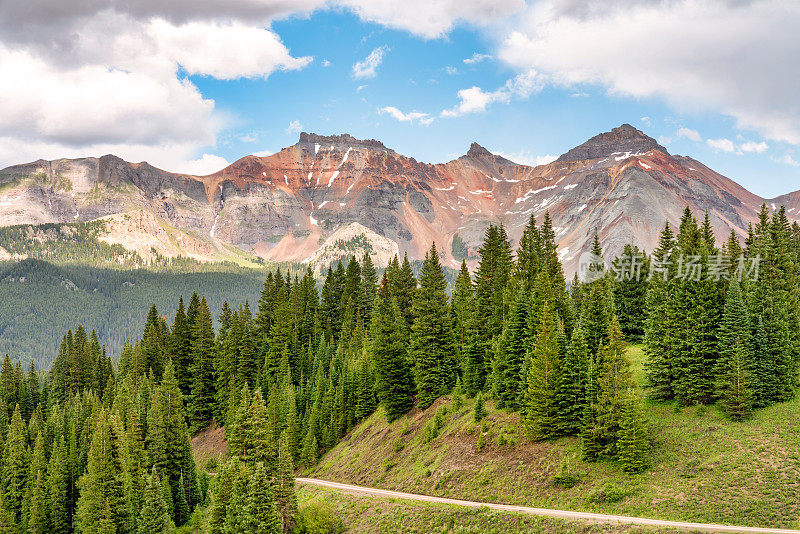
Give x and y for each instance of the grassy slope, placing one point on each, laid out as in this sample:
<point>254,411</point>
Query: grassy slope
<point>705,468</point>
<point>374,515</point>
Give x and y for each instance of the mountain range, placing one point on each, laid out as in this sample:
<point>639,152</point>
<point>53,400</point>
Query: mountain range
<point>331,196</point>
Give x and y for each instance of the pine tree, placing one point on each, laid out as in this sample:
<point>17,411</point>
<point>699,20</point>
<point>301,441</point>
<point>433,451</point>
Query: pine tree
<point>432,344</point>
<point>15,466</point>
<point>200,405</point>
<point>154,516</point>
<point>571,393</point>
<point>261,512</point>
<point>657,339</point>
<point>285,497</point>
<point>634,443</point>
<point>236,516</point>
<point>541,411</point>
<point>734,384</point>
<point>614,383</point>
<point>58,485</point>
<point>479,412</point>
<point>221,496</point>
<point>103,500</point>
<point>395,383</point>
<point>510,353</point>
<point>168,439</point>
<point>180,349</point>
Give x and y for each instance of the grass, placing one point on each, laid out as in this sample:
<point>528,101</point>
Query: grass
<point>377,515</point>
<point>705,468</point>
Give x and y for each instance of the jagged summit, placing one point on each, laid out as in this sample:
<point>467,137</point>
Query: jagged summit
<point>623,139</point>
<point>476,151</point>
<point>340,141</point>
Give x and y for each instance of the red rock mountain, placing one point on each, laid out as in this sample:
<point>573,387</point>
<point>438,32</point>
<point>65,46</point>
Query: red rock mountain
<point>285,207</point>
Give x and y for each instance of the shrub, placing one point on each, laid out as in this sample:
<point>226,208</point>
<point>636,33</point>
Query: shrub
<point>318,519</point>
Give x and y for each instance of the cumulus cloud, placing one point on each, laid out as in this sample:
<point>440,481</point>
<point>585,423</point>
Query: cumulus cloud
<point>526,157</point>
<point>294,127</point>
<point>367,67</point>
<point>474,99</point>
<point>688,133</point>
<point>477,58</point>
<point>412,116</point>
<point>723,144</point>
<point>752,146</point>
<point>432,19</point>
<point>206,164</point>
<point>738,66</point>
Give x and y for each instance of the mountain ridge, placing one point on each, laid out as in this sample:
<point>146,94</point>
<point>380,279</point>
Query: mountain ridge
<point>621,184</point>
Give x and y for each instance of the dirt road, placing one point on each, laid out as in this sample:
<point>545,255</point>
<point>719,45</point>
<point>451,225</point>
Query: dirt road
<point>561,514</point>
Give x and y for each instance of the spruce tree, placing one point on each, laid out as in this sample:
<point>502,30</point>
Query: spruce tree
<point>395,383</point>
<point>201,398</point>
<point>15,466</point>
<point>285,497</point>
<point>734,384</point>
<point>58,486</point>
<point>634,441</point>
<point>541,411</point>
<point>103,500</point>
<point>432,344</point>
<point>571,393</point>
<point>614,383</point>
<point>154,517</point>
<point>261,512</point>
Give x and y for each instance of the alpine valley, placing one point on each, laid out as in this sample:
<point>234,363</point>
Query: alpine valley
<point>328,197</point>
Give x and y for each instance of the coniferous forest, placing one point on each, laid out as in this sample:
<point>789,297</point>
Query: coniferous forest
<point>100,442</point>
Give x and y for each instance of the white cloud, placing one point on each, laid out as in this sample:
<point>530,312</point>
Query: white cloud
<point>294,127</point>
<point>449,69</point>
<point>224,51</point>
<point>477,58</point>
<point>422,118</point>
<point>688,133</point>
<point>432,19</point>
<point>527,158</point>
<point>752,146</point>
<point>367,67</point>
<point>360,88</point>
<point>92,104</point>
<point>788,160</point>
<point>738,66</point>
<point>725,145</point>
<point>206,164</point>
<point>474,99</point>
<point>263,153</point>
<point>326,63</point>
<point>647,121</point>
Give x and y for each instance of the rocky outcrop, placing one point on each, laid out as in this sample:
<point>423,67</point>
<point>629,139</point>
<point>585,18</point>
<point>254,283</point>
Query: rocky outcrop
<point>621,140</point>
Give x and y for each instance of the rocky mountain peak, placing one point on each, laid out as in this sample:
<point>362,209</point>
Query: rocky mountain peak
<point>622,139</point>
<point>339,141</point>
<point>476,151</point>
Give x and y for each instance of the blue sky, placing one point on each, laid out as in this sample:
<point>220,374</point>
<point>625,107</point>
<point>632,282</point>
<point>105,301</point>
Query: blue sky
<point>210,87</point>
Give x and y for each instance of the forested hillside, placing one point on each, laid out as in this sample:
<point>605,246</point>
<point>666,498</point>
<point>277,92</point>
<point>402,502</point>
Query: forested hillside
<point>100,444</point>
<point>41,300</point>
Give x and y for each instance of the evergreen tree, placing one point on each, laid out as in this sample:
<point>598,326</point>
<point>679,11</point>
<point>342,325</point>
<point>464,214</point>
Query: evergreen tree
<point>261,512</point>
<point>58,486</point>
<point>395,383</point>
<point>541,411</point>
<point>202,379</point>
<point>571,393</point>
<point>154,517</point>
<point>432,344</point>
<point>734,384</point>
<point>103,500</point>
<point>15,466</point>
<point>285,497</point>
<point>634,443</point>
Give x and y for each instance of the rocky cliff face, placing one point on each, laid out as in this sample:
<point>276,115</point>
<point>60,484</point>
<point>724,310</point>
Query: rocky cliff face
<point>285,207</point>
